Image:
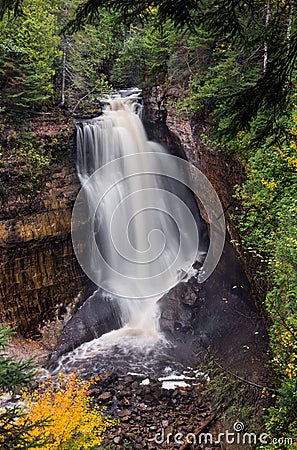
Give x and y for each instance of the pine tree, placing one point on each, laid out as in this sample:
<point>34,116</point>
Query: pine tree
<point>257,33</point>
<point>28,52</point>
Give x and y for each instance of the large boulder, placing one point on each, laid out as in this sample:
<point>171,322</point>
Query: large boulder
<point>98,315</point>
<point>219,315</point>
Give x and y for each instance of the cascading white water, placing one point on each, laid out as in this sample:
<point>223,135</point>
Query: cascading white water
<point>137,222</point>
<point>136,232</point>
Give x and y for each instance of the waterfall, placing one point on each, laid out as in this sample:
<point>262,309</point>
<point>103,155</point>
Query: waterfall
<point>146,228</point>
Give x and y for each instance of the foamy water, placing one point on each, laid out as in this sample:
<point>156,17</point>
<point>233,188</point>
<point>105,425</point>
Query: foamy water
<point>125,350</point>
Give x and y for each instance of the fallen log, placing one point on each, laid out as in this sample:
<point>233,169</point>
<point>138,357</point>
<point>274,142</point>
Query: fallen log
<point>199,430</point>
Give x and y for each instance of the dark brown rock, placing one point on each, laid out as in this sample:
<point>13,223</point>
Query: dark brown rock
<point>124,413</point>
<point>105,396</point>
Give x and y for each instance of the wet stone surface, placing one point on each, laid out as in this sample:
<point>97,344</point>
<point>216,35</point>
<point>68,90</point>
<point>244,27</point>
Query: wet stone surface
<point>150,417</point>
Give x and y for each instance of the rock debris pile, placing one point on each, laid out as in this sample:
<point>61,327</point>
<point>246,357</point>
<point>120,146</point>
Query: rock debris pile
<point>151,416</point>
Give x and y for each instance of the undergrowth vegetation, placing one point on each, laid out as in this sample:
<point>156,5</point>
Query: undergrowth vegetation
<point>268,223</point>
<point>56,414</point>
<point>15,428</point>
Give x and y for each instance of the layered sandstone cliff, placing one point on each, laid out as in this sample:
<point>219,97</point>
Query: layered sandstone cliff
<point>39,271</point>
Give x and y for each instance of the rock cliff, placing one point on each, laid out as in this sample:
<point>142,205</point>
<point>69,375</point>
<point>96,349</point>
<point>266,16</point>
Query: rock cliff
<point>39,272</point>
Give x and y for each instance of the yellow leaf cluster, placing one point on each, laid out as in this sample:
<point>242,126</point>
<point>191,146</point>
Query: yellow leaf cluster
<point>72,422</point>
<point>291,370</point>
<point>288,341</point>
<point>269,184</point>
<point>223,48</point>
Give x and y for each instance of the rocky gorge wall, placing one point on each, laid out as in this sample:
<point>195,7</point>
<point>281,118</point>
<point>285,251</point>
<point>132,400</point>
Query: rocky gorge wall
<point>39,271</point>
<point>222,314</point>
<point>224,171</point>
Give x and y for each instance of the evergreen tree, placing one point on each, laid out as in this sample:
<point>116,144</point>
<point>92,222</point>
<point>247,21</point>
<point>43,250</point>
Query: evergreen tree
<point>90,56</point>
<point>263,35</point>
<point>29,49</point>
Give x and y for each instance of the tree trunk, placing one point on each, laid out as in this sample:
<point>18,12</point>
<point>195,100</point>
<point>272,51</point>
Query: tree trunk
<point>289,29</point>
<point>267,17</point>
<point>63,74</point>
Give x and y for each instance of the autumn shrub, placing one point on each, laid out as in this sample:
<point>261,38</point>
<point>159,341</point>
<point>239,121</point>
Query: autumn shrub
<point>73,424</point>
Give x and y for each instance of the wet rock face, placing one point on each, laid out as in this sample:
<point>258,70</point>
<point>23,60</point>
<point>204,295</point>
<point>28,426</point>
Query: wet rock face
<point>155,108</point>
<point>39,271</point>
<point>96,316</point>
<point>218,315</point>
<point>178,308</point>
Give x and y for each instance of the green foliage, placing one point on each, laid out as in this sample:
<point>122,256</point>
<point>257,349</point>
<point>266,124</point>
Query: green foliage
<point>154,54</point>
<point>282,420</point>
<point>29,50</point>
<point>10,5</point>
<point>210,85</point>
<point>13,373</point>
<point>37,63</point>
<point>144,58</point>
<point>130,66</point>
<point>25,165</point>
<point>190,58</point>
<point>269,226</point>
<point>89,57</point>
<point>234,400</point>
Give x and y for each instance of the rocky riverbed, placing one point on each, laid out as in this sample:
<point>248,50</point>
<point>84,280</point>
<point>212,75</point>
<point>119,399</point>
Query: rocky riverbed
<point>151,416</point>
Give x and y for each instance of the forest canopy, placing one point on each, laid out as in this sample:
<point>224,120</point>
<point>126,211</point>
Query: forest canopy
<point>263,35</point>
